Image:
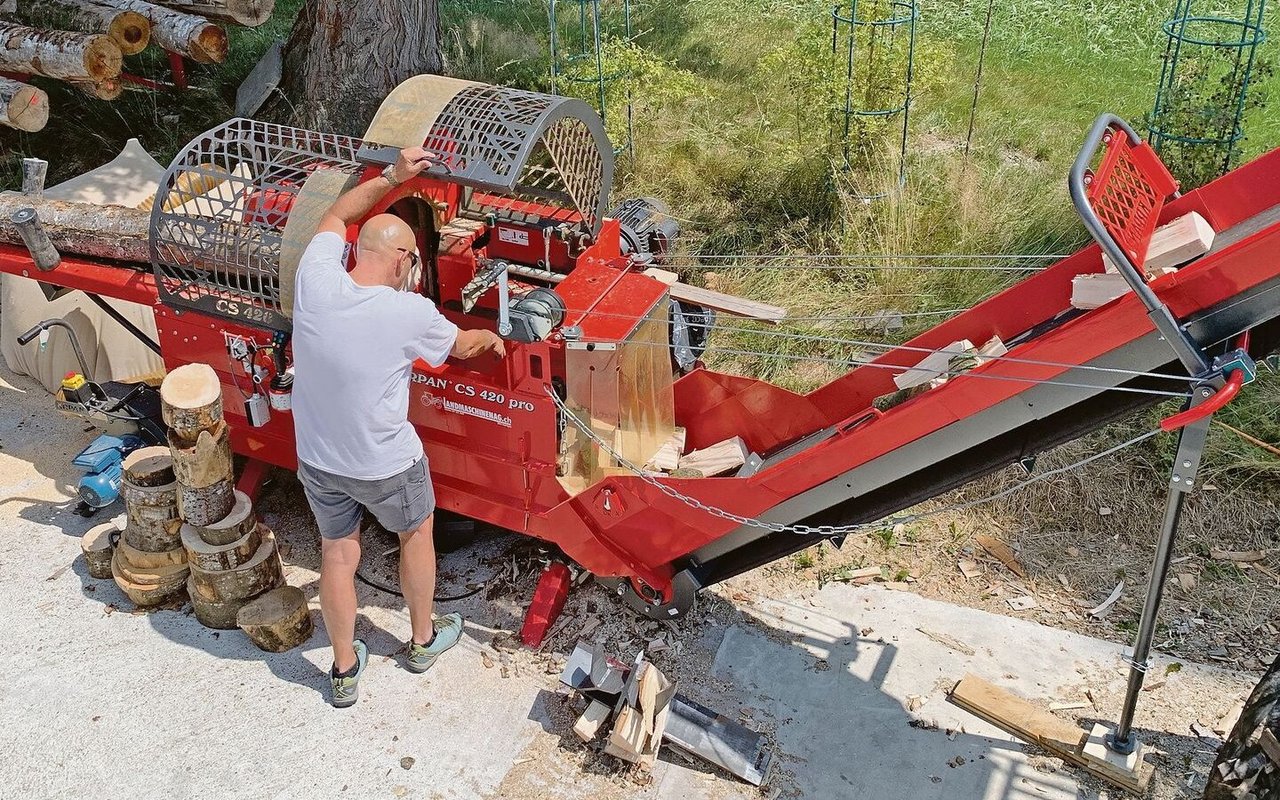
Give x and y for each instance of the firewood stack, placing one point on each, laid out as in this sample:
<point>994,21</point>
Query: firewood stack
<point>148,563</point>
<point>232,557</point>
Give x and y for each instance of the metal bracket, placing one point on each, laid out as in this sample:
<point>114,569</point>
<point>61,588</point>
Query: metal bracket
<point>494,272</point>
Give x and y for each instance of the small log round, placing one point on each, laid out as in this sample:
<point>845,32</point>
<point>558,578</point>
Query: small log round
<point>234,526</point>
<point>214,557</point>
<point>259,574</point>
<point>277,621</point>
<point>152,529</point>
<point>149,466</point>
<point>191,400</point>
<point>211,613</point>
<point>205,461</point>
<point>97,544</point>
<point>145,595</point>
<point>23,106</point>
<point>201,505</point>
<point>163,575</point>
<point>147,560</point>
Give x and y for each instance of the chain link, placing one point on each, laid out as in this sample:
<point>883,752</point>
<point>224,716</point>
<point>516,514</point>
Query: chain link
<point>819,530</point>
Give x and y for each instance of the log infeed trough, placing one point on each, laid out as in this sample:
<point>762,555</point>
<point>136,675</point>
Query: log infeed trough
<point>561,439</point>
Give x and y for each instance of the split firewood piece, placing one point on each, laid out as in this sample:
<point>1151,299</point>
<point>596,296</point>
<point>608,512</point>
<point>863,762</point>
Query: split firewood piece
<point>186,34</point>
<point>128,29</point>
<point>151,560</point>
<point>1003,552</point>
<point>1097,289</point>
<point>149,466</point>
<point>259,574</point>
<point>627,738</point>
<point>97,545</point>
<point>212,613</point>
<point>239,522</point>
<point>23,106</point>
<point>249,13</point>
<point>58,54</point>
<point>202,505</point>
<point>668,456</point>
<point>278,620</point>
<point>205,461</point>
<point>717,459</point>
<point>933,366</point>
<point>147,594</point>
<point>1172,244</point>
<point>221,556</point>
<point>191,400</point>
<point>588,725</point>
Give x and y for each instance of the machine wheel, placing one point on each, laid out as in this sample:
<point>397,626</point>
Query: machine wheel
<point>1243,770</point>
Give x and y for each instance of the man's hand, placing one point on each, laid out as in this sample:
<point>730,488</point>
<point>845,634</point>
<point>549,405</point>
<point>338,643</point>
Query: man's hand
<point>470,344</point>
<point>411,163</point>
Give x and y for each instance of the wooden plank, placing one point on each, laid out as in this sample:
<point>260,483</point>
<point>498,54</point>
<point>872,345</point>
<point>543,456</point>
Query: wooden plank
<point>1096,290</point>
<point>729,304</point>
<point>717,459</point>
<point>1271,746</point>
<point>588,725</point>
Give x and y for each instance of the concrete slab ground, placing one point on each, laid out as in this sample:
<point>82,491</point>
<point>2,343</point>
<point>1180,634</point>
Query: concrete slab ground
<point>97,701</point>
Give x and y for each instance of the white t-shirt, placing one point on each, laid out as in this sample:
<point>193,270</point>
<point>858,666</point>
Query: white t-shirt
<point>353,353</point>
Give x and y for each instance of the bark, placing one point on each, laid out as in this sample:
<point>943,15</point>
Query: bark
<point>202,505</point>
<point>278,620</point>
<point>214,557</point>
<point>191,402</point>
<point>194,37</point>
<point>58,54</point>
<point>162,496</point>
<point>205,462</point>
<point>128,29</point>
<point>237,523</point>
<point>97,548</point>
<point>147,594</point>
<point>250,13</point>
<point>342,58</point>
<point>152,529</point>
<point>141,561</point>
<point>112,232</point>
<point>149,466</point>
<point>23,106</point>
<point>210,613</point>
<point>262,573</point>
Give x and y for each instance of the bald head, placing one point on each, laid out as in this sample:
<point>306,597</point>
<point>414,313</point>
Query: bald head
<point>382,252</point>
<point>385,233</point>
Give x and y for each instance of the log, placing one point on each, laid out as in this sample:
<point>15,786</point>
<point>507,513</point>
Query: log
<point>149,466</point>
<point>249,13</point>
<point>163,574</point>
<point>111,232</point>
<point>203,505</point>
<point>210,613</point>
<point>58,54</point>
<point>164,496</point>
<point>152,528</point>
<point>128,29</point>
<point>23,106</point>
<point>34,171</point>
<point>259,574</point>
<point>97,545</point>
<point>191,401</point>
<point>135,559</point>
<point>237,523</point>
<point>203,462</point>
<point>718,458</point>
<point>178,32</point>
<point>214,557</point>
<point>144,595</point>
<point>278,620</point>
<point>36,239</point>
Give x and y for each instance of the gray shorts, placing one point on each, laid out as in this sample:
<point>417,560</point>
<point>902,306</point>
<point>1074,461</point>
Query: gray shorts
<point>400,503</point>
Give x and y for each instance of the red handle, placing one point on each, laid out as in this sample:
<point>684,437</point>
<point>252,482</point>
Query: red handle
<point>1208,407</point>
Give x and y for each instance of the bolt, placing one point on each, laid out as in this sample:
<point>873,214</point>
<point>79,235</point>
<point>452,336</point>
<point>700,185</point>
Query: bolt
<point>1186,464</point>
<point>1177,479</point>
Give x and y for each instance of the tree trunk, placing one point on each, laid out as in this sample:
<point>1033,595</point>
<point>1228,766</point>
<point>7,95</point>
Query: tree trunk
<point>250,13</point>
<point>194,37</point>
<point>128,29</point>
<point>112,232</point>
<point>343,58</point>
<point>58,54</point>
<point>22,106</point>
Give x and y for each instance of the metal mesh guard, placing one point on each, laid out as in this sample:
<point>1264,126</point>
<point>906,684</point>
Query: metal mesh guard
<point>1127,193</point>
<point>220,212</point>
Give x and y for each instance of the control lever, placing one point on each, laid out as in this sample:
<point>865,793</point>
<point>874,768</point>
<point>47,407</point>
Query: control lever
<point>41,329</point>
<point>494,272</point>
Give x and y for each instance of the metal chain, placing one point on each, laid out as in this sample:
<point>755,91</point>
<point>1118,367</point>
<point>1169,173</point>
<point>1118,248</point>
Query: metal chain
<point>820,530</point>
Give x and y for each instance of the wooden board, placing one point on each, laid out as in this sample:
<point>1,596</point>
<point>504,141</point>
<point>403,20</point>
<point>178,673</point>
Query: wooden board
<point>277,620</point>
<point>738,306</point>
<point>1036,726</point>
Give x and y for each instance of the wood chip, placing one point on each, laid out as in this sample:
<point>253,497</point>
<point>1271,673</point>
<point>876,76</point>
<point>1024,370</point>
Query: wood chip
<point>487,659</point>
<point>1241,556</point>
<point>1100,611</point>
<point>1070,706</point>
<point>1186,581</point>
<point>1003,553</point>
<point>969,568</point>
<point>948,641</point>
<point>1024,603</point>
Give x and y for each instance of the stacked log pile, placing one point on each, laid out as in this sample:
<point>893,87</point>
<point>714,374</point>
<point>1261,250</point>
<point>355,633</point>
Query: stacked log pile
<point>149,563</point>
<point>84,42</point>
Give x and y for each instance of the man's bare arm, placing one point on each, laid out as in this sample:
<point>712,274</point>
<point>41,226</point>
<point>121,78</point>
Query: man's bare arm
<point>470,344</point>
<point>358,202</point>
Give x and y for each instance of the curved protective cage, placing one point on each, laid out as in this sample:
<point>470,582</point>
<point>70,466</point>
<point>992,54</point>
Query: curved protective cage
<point>219,216</point>
<point>526,145</point>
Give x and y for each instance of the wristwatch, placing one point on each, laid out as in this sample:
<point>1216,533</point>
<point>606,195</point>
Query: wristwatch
<point>389,172</point>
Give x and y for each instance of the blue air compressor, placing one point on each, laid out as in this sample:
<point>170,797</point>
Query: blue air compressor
<point>101,462</point>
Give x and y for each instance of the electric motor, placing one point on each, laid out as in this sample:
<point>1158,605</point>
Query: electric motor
<point>647,227</point>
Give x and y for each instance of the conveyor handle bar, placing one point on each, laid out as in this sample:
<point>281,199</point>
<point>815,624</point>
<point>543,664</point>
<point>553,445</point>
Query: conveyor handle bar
<point>1209,407</point>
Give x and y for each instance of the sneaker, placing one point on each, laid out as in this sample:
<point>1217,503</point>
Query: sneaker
<point>448,631</point>
<point>347,690</point>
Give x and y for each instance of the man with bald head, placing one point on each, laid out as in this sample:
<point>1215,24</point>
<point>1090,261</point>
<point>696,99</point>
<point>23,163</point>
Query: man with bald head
<point>356,336</point>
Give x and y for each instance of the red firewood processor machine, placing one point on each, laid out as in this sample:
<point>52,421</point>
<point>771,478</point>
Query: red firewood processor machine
<point>514,224</point>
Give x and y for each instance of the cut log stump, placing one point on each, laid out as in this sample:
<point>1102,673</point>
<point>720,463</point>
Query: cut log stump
<point>191,401</point>
<point>152,528</point>
<point>211,613</point>
<point>200,506</point>
<point>162,496</point>
<point>149,466</point>
<point>239,522</point>
<point>97,544</point>
<point>22,106</point>
<point>215,557</point>
<point>278,620</point>
<point>205,461</point>
<point>147,594</point>
<point>259,574</point>
<point>147,560</point>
